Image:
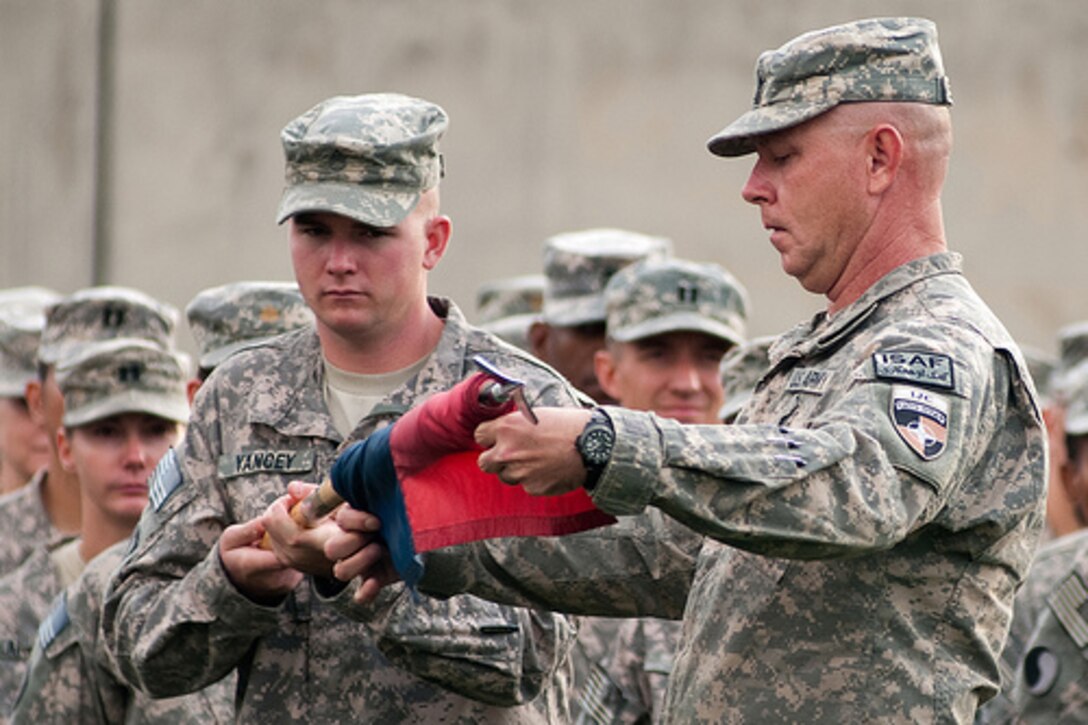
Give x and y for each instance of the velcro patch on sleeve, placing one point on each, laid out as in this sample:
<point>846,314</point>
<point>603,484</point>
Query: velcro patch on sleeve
<point>923,368</point>
<point>164,480</point>
<point>55,623</point>
<point>232,465</point>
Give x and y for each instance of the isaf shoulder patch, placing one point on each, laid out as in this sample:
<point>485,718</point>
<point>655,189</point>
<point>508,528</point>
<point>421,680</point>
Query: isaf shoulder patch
<point>923,368</point>
<point>164,480</point>
<point>921,419</point>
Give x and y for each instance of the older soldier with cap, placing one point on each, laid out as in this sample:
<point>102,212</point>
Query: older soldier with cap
<point>47,510</point>
<point>870,515</point>
<point>124,407</point>
<point>233,317</point>
<point>199,597</point>
<point>24,446</point>
<point>669,322</point>
<point>577,266</point>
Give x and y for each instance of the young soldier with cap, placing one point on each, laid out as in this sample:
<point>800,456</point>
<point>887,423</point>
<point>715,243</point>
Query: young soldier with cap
<point>867,524</point>
<point>668,324</point>
<point>577,266</point>
<point>198,597</point>
<point>24,446</point>
<point>125,406</point>
<point>46,511</point>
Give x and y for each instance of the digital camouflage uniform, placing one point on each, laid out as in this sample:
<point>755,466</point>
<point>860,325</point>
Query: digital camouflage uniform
<point>25,596</point>
<point>1044,671</point>
<point>741,370</point>
<point>853,571</point>
<point>25,524</point>
<point>72,679</point>
<point>175,623</point>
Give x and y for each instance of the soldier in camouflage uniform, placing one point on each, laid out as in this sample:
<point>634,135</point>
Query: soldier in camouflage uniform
<point>71,675</point>
<point>198,597</point>
<point>669,322</point>
<point>577,266</point>
<point>24,447</point>
<point>124,407</point>
<point>741,370</point>
<point>46,510</point>
<point>1044,673</point>
<point>873,510</point>
<point>508,307</point>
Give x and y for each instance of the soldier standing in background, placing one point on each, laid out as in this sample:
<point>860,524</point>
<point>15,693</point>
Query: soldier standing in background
<point>577,266</point>
<point>45,512</point>
<point>24,446</point>
<point>669,322</point>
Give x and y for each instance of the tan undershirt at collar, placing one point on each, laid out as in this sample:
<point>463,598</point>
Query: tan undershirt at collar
<point>351,396</point>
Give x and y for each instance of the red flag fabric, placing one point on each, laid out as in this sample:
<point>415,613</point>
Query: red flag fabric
<point>449,500</point>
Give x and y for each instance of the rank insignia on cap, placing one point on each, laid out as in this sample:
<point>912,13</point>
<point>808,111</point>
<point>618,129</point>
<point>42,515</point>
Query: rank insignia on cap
<point>921,419</point>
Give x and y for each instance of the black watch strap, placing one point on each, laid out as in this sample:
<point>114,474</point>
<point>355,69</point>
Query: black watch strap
<point>595,446</point>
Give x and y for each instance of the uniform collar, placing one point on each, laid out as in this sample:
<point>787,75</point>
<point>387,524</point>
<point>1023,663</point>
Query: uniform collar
<point>825,331</point>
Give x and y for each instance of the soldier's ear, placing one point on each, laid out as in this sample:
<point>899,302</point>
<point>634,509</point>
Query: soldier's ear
<point>885,154</point>
<point>438,230</point>
<point>538,339</point>
<point>604,365</point>
<point>64,451</point>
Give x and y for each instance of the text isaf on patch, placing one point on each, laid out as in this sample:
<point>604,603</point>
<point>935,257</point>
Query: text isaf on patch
<point>921,419</point>
<point>265,461</point>
<point>924,368</point>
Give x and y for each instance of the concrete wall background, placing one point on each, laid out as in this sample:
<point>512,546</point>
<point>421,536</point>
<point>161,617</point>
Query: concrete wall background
<point>564,114</point>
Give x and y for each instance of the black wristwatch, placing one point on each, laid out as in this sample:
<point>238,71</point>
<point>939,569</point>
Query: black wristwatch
<point>595,445</point>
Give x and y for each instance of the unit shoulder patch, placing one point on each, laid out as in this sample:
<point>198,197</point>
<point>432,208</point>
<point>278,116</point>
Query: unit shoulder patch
<point>924,368</point>
<point>920,418</point>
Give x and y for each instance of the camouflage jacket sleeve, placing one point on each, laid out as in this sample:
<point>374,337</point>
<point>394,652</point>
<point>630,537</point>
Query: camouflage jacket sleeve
<point>641,566</point>
<point>172,619</point>
<point>72,677</point>
<point>840,483</point>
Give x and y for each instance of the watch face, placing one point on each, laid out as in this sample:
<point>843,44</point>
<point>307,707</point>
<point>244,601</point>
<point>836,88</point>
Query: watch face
<point>597,446</point>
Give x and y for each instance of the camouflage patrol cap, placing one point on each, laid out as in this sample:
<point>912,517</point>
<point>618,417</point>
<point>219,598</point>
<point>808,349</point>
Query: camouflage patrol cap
<point>22,317</point>
<point>366,157</point>
<point>232,317</point>
<point>881,59</point>
<point>122,375</point>
<point>657,296</point>
<point>104,313</point>
<point>501,298</point>
<point>741,370</point>
<point>578,265</point>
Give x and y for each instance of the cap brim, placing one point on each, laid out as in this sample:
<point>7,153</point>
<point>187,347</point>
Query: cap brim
<point>738,138</point>
<point>573,311</point>
<point>369,205</point>
<point>680,322</point>
<point>171,407</point>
